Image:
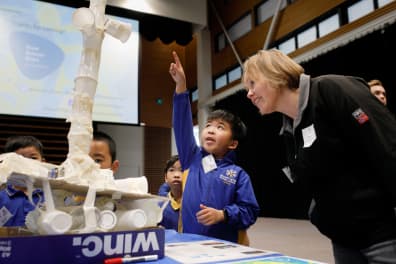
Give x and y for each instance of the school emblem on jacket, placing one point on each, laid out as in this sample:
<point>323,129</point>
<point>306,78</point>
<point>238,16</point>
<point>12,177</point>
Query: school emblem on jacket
<point>360,116</point>
<point>229,178</point>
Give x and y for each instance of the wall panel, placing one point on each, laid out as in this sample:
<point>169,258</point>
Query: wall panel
<point>155,81</point>
<point>294,16</point>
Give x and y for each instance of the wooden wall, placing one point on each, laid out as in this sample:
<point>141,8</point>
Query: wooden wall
<point>291,18</point>
<point>155,81</point>
<point>297,14</point>
<point>157,150</point>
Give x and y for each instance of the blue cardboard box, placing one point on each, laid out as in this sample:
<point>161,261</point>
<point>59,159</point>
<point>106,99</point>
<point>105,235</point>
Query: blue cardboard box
<point>81,248</point>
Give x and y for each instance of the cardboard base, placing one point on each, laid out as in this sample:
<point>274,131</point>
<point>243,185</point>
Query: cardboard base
<point>18,247</point>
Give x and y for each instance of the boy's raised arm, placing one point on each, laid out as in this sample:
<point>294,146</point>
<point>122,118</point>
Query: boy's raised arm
<point>177,72</point>
<point>182,118</point>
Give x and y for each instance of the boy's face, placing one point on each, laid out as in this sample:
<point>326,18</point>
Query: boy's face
<point>30,152</point>
<point>173,175</point>
<point>100,153</point>
<point>216,138</point>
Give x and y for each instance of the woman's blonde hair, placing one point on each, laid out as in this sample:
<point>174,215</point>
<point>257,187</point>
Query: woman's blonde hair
<point>279,69</point>
<point>375,82</point>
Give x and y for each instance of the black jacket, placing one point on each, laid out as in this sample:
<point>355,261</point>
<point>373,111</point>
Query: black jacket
<point>350,168</point>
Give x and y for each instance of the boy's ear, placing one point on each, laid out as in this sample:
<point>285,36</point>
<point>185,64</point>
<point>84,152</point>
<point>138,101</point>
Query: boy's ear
<point>115,165</point>
<point>233,145</point>
<point>165,178</point>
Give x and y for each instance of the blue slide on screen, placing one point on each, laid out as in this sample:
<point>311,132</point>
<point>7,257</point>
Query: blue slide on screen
<point>40,52</point>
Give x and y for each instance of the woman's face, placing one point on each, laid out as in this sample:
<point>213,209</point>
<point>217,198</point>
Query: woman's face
<point>379,92</point>
<point>262,95</point>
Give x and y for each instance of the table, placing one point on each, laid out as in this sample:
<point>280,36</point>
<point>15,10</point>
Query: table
<point>189,241</point>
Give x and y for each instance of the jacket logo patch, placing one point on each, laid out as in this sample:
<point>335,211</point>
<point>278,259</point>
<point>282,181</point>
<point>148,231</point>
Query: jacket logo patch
<point>360,116</point>
<point>229,178</point>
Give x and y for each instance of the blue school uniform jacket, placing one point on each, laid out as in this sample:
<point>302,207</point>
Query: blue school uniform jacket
<point>170,215</point>
<point>15,205</point>
<point>228,187</point>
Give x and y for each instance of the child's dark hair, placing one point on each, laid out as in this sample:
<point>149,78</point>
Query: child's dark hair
<point>16,142</point>
<point>170,162</point>
<point>237,126</point>
<point>102,136</point>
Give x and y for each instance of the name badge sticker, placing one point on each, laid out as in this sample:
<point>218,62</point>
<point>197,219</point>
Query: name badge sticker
<point>5,215</point>
<point>208,163</point>
<point>309,136</point>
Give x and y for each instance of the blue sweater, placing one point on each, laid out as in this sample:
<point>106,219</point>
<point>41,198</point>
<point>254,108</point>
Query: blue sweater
<point>226,187</point>
<point>15,205</point>
<point>170,215</point>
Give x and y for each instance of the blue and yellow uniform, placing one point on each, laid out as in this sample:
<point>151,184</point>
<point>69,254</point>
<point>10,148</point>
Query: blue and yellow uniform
<point>227,187</point>
<point>15,205</point>
<point>170,215</point>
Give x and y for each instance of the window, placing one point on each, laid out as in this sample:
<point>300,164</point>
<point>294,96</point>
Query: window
<point>360,9</point>
<point>234,74</point>
<point>324,26</point>
<point>267,9</point>
<point>306,37</point>
<point>228,77</point>
<point>194,95</point>
<point>220,81</point>
<point>329,25</point>
<point>240,28</point>
<point>381,3</point>
<point>287,46</point>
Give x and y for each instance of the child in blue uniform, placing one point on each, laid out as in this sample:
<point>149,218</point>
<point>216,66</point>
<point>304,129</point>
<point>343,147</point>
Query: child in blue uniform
<point>218,197</point>
<point>14,203</point>
<point>173,179</point>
